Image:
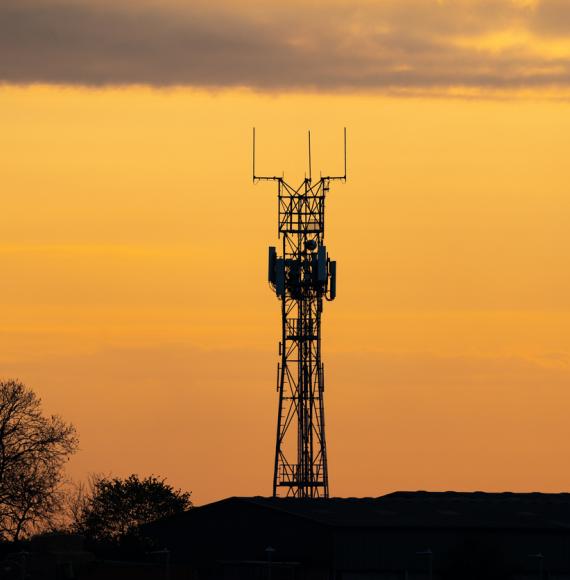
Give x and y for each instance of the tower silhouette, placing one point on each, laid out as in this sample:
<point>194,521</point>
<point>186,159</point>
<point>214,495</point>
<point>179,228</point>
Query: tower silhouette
<point>302,276</point>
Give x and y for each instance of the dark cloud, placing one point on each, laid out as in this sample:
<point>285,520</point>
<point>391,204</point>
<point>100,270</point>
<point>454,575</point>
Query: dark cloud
<point>552,18</point>
<point>404,44</point>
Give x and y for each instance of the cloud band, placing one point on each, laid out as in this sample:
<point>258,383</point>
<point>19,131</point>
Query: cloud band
<point>388,45</point>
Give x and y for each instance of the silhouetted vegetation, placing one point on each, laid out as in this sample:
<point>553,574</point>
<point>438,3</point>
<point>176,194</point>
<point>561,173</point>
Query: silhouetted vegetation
<point>33,451</point>
<point>110,511</point>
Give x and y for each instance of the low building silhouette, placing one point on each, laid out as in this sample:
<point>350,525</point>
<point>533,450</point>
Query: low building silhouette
<point>402,535</point>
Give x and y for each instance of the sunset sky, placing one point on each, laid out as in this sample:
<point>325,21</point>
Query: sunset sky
<point>133,243</point>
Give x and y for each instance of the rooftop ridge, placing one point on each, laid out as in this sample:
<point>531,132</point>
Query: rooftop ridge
<point>418,494</point>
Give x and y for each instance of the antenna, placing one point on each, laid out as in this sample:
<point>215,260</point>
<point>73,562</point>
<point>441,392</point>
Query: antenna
<point>262,177</point>
<point>310,172</point>
<point>339,177</point>
<point>345,153</point>
<point>277,178</point>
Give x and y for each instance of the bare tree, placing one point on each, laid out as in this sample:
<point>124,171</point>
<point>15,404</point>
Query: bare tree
<point>78,499</point>
<point>33,451</point>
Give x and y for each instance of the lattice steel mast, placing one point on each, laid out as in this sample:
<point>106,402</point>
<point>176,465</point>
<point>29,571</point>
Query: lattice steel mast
<point>301,277</point>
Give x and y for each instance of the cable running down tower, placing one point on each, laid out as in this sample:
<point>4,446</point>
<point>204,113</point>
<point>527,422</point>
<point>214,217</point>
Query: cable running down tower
<point>302,276</point>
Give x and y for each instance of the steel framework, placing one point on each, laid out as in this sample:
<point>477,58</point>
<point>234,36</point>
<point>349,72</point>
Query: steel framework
<point>302,277</point>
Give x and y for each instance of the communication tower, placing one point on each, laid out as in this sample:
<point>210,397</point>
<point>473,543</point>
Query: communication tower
<point>302,276</point>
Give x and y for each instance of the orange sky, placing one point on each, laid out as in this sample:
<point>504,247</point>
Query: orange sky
<point>134,299</point>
